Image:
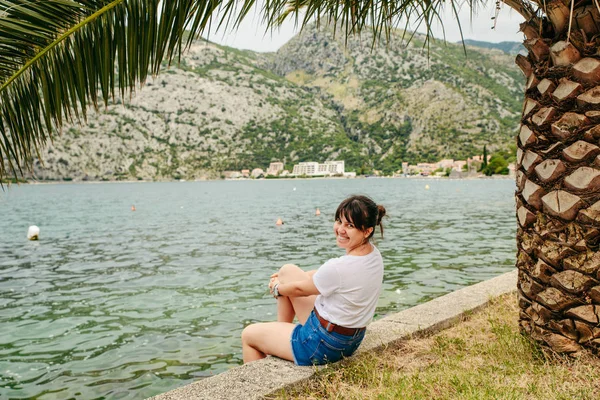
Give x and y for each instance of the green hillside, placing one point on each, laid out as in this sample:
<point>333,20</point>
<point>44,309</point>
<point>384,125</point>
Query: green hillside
<point>316,99</point>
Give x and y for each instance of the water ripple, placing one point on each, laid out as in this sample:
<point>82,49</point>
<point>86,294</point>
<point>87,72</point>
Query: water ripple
<point>122,305</point>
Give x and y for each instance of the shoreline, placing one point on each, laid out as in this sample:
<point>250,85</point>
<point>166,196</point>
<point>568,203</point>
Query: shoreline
<point>413,177</point>
<point>483,356</point>
<point>272,375</point>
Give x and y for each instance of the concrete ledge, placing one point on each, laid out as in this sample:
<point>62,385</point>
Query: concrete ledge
<point>264,377</point>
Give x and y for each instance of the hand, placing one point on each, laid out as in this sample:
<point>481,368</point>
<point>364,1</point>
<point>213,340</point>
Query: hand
<point>273,277</point>
<point>272,283</point>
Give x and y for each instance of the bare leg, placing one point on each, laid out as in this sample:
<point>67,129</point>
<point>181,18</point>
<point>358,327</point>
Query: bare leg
<point>285,310</point>
<point>272,338</point>
<point>300,306</point>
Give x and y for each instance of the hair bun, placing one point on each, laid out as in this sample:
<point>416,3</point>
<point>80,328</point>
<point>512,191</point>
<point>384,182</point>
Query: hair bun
<point>380,213</point>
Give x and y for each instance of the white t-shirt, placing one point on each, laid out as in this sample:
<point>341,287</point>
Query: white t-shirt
<point>349,287</point>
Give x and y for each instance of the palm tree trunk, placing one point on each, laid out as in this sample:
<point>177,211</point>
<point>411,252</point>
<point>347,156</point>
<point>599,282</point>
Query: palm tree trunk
<point>558,181</point>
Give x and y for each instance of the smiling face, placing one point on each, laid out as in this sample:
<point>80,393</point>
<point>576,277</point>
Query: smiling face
<point>348,236</point>
<point>355,219</point>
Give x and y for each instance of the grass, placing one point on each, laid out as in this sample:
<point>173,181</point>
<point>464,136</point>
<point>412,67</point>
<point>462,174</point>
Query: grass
<point>482,357</point>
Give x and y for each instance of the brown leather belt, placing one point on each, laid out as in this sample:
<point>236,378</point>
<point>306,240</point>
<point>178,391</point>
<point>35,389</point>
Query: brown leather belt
<point>342,330</point>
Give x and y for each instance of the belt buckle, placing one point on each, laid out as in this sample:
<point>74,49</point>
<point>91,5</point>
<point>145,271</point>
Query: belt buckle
<point>329,327</point>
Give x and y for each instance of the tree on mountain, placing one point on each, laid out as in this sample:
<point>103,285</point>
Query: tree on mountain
<point>484,162</point>
<point>497,165</point>
<point>58,57</point>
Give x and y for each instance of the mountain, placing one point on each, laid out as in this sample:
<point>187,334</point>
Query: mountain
<point>318,98</point>
<point>406,102</point>
<point>512,48</point>
<point>216,111</point>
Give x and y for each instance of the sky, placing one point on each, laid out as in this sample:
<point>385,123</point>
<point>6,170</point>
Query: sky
<point>251,34</point>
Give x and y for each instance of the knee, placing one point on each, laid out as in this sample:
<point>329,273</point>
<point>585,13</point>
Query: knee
<point>288,270</point>
<point>249,333</point>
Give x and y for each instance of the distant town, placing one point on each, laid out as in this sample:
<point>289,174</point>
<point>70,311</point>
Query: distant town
<point>447,167</point>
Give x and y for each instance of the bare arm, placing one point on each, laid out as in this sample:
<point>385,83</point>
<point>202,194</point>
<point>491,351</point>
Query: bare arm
<point>302,288</point>
<point>310,273</point>
<point>298,288</point>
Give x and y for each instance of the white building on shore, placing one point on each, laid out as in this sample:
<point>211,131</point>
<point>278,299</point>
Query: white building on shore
<point>275,168</point>
<point>312,168</point>
<point>306,168</point>
<point>257,173</point>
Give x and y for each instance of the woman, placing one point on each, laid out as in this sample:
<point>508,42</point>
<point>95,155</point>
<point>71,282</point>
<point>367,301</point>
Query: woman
<point>333,304</point>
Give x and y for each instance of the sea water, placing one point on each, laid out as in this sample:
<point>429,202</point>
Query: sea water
<point>115,303</point>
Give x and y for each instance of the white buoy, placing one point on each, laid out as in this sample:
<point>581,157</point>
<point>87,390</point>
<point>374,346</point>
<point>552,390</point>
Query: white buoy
<point>426,187</point>
<point>33,233</point>
<point>294,189</point>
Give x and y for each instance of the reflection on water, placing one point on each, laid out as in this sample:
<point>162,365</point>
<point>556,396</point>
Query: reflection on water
<point>119,304</point>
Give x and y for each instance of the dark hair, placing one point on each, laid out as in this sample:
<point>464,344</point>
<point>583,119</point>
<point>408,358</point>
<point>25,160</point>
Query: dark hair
<point>362,212</point>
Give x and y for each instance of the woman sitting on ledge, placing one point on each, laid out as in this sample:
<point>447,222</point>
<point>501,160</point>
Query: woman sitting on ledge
<point>333,304</point>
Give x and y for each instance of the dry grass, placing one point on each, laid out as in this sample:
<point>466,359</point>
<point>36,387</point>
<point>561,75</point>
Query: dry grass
<point>483,357</point>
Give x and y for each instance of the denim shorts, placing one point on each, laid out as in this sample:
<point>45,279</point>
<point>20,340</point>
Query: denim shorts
<point>313,345</point>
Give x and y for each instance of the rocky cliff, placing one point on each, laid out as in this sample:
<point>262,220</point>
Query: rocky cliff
<point>317,98</point>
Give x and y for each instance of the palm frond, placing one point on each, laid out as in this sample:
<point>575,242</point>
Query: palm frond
<point>59,57</point>
<point>383,15</point>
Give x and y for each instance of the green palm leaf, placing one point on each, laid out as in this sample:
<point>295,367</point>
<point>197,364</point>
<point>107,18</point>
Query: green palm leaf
<point>59,57</point>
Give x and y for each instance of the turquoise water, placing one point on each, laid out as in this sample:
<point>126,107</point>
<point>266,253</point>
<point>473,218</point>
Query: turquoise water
<point>111,303</point>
